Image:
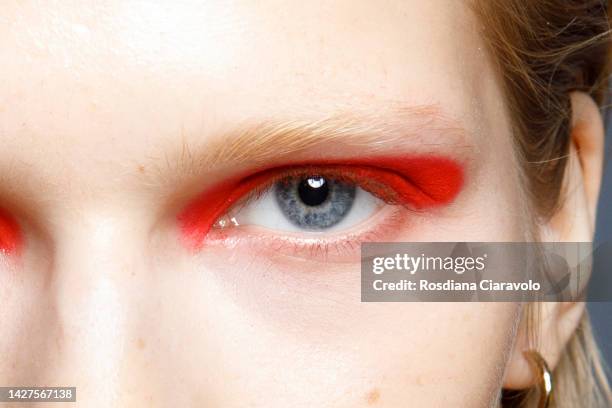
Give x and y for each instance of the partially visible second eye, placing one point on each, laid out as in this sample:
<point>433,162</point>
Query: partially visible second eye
<point>312,202</point>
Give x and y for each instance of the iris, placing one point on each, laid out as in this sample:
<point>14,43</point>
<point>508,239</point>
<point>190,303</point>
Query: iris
<point>314,202</point>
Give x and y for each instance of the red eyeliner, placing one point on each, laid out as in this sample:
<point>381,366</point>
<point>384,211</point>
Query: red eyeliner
<point>418,182</point>
<point>10,235</point>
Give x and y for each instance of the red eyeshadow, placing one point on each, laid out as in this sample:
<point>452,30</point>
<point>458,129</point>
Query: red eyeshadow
<point>10,235</point>
<point>418,182</point>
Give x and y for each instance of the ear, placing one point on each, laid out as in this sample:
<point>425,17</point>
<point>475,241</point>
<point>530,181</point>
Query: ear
<point>574,222</point>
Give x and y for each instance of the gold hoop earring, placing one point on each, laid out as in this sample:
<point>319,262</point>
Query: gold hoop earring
<point>545,385</point>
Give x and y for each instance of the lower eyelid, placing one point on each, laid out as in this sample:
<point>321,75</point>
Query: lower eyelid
<point>342,246</point>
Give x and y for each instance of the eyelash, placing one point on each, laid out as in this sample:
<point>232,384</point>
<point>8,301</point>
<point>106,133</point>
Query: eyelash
<point>338,247</point>
<point>414,184</point>
<point>336,173</point>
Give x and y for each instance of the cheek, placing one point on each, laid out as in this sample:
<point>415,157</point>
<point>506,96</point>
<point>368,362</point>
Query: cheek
<point>433,353</point>
<point>332,349</point>
<point>428,354</point>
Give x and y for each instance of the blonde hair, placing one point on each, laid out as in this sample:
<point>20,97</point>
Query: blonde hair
<point>543,50</point>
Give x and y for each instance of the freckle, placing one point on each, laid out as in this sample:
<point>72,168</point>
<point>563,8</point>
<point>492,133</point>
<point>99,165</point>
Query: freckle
<point>140,343</point>
<point>373,396</point>
<point>141,169</point>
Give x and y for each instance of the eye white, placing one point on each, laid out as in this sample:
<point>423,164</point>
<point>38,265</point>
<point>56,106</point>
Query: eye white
<point>266,212</point>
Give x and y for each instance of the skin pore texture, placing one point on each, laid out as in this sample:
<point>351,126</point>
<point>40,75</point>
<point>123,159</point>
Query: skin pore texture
<point>119,118</point>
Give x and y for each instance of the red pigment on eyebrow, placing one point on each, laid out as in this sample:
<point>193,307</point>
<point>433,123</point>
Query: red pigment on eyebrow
<point>10,235</point>
<point>421,182</point>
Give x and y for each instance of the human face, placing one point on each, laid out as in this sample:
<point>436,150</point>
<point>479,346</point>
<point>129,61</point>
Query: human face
<point>119,122</point>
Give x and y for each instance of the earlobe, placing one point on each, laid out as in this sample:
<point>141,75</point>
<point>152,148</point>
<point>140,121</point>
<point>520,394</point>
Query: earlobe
<point>555,323</point>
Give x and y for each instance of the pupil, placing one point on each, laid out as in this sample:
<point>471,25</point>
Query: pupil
<point>313,191</point>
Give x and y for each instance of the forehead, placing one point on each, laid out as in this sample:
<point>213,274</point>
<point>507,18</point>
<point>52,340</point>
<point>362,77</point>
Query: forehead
<point>109,76</point>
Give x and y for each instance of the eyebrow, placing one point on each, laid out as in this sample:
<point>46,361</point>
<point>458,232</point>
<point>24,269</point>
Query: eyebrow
<point>416,129</point>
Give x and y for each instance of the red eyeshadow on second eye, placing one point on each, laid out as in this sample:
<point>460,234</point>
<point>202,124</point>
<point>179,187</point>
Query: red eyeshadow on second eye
<point>10,235</point>
<point>421,182</point>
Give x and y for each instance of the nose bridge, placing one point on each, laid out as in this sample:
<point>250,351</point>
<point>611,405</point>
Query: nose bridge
<point>93,260</point>
<point>95,247</point>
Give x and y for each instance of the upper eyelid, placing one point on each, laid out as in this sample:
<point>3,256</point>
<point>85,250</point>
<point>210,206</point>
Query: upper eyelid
<point>372,167</point>
<point>298,171</point>
<point>335,171</point>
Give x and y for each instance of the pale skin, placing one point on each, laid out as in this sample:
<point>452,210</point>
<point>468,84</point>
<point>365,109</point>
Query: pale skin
<point>99,103</point>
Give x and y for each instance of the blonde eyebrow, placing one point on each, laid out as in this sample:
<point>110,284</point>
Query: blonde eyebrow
<point>424,127</point>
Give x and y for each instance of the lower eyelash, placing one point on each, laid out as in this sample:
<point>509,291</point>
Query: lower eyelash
<point>339,247</point>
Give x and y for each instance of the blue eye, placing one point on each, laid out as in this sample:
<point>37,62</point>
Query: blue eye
<point>309,203</point>
<point>314,202</point>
